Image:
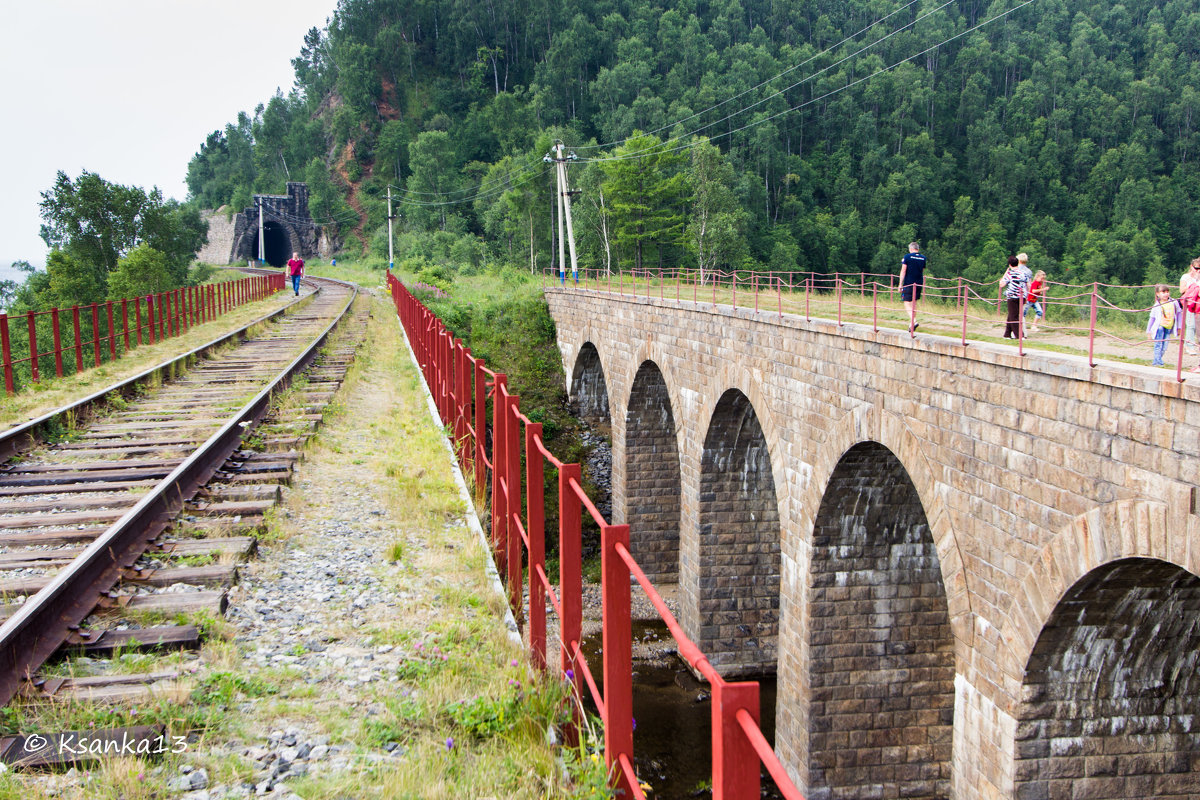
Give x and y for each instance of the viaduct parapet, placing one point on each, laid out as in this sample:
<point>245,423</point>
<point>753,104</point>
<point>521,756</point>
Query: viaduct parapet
<point>974,573</point>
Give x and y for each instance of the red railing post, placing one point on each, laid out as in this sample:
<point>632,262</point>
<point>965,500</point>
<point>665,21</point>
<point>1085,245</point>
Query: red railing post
<point>1182,337</point>
<point>499,467</point>
<point>125,321</point>
<point>779,294</point>
<point>617,631</point>
<point>112,335</point>
<point>58,365</point>
<point>78,338</point>
<point>837,286</point>
<point>535,526</point>
<point>754,283</point>
<point>1092,327</point>
<point>151,317</point>
<point>31,324</point>
<point>10,385</point>
<point>735,289</point>
<point>96,333</point>
<point>807,289</point>
<point>570,572</point>
<point>962,289</point>
<point>513,504</point>
<point>480,395</point>
<point>735,763</point>
<point>137,318</point>
<point>875,307</point>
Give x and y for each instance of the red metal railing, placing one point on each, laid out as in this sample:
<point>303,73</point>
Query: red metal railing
<point>1074,310</point>
<point>461,387</point>
<point>155,316</point>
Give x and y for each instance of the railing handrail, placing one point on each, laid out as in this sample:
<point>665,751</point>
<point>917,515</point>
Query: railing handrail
<point>959,297</point>
<point>168,313</point>
<point>460,394</point>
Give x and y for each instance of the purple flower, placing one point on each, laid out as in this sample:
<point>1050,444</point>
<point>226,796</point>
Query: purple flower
<point>634,722</point>
<point>514,662</point>
<point>449,742</point>
<point>571,675</point>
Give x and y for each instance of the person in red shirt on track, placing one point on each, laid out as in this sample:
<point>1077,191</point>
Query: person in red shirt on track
<point>296,269</point>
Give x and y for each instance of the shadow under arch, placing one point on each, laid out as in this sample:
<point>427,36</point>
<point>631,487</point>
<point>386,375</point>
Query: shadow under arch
<point>739,541</point>
<point>589,389</point>
<point>881,652</point>
<point>1111,691</point>
<point>652,477</point>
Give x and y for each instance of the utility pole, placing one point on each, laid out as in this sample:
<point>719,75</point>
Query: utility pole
<point>563,206</point>
<point>261,244</point>
<point>391,264</point>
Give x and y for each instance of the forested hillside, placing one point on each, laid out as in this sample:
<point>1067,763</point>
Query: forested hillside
<point>797,134</point>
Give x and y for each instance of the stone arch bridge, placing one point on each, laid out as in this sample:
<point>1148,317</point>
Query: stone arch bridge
<point>974,573</point>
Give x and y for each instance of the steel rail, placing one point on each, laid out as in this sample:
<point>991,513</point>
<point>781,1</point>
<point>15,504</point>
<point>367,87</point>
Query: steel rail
<point>25,435</point>
<point>43,623</point>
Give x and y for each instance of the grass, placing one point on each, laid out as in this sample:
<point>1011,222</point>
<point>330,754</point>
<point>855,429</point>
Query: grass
<point>463,703</point>
<point>472,717</point>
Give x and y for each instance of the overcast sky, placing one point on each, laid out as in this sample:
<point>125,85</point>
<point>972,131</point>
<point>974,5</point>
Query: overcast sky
<point>129,89</point>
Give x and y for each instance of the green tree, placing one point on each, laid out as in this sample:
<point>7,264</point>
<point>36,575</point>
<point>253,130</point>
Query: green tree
<point>143,271</point>
<point>94,223</point>
<point>715,232</point>
<point>70,283</point>
<point>647,186</point>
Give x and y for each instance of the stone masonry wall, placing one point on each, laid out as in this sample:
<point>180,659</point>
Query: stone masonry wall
<point>1032,473</point>
<point>882,664</point>
<point>1112,704</point>
<point>738,580</point>
<point>652,477</point>
<point>219,249</point>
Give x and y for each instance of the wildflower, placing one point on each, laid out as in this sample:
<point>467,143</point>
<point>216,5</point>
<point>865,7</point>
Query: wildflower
<point>449,743</point>
<point>571,675</point>
<point>513,663</point>
<point>634,722</point>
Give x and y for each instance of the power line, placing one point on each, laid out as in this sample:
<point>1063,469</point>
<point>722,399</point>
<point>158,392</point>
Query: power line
<point>775,77</point>
<point>805,104</point>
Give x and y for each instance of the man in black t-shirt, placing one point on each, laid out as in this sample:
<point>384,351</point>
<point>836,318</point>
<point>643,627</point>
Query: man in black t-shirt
<point>912,281</point>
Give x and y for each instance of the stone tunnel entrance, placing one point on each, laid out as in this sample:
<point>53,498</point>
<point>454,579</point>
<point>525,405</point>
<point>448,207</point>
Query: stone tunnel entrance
<point>277,245</point>
<point>739,543</point>
<point>652,489</point>
<point>1112,690</point>
<point>881,651</point>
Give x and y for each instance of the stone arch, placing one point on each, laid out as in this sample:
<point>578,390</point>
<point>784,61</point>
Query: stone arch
<point>881,653</point>
<point>739,541</point>
<point>280,238</point>
<point>589,389</point>
<point>1120,530</point>
<point>869,424</point>
<point>1111,692</point>
<point>653,491</point>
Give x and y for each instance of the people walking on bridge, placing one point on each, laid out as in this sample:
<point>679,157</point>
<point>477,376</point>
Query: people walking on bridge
<point>1163,318</point>
<point>912,281</point>
<point>1190,278</point>
<point>1035,301</point>
<point>296,270</point>
<point>1015,283</point>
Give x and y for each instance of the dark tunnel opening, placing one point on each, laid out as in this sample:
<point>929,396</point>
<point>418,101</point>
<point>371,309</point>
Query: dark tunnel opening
<point>277,246</point>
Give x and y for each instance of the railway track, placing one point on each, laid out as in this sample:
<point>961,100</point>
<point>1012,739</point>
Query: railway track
<point>140,510</point>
